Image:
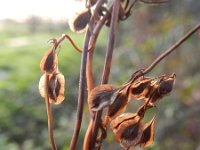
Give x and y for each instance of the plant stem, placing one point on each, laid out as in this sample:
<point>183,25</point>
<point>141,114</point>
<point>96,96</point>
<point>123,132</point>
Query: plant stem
<point>171,49</point>
<point>81,92</point>
<point>49,114</point>
<point>107,66</point>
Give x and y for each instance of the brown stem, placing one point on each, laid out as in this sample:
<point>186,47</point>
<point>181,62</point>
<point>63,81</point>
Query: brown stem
<point>154,1</point>
<point>90,83</point>
<point>171,49</point>
<point>81,92</point>
<point>107,66</point>
<point>49,114</point>
<point>166,52</point>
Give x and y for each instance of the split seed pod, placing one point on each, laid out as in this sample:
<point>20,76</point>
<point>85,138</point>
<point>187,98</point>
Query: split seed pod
<point>148,134</point>
<point>79,21</point>
<point>49,62</point>
<point>127,129</point>
<point>140,88</point>
<point>164,88</point>
<point>166,85</point>
<point>100,97</point>
<point>118,105</point>
<point>56,87</point>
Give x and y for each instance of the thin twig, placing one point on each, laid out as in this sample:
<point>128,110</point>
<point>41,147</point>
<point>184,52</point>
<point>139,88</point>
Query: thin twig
<point>171,49</point>
<point>165,53</point>
<point>107,65</point>
<point>81,92</point>
<point>154,1</point>
<point>65,36</point>
<point>49,114</point>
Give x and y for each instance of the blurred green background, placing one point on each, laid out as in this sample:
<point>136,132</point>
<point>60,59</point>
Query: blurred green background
<point>140,39</point>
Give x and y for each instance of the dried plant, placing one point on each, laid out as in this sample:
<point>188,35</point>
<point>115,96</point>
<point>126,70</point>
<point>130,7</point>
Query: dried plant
<point>128,128</point>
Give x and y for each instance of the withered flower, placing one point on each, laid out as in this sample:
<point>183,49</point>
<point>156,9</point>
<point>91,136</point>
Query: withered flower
<point>147,134</point>
<point>79,20</point>
<point>49,62</point>
<point>127,129</point>
<point>100,97</point>
<point>56,87</point>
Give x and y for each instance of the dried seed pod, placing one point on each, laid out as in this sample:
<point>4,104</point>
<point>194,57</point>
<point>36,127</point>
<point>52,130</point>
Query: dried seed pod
<point>56,87</point>
<point>49,62</point>
<point>127,129</point>
<point>140,88</point>
<point>118,105</point>
<point>79,21</point>
<point>164,87</point>
<point>100,97</point>
<point>147,134</point>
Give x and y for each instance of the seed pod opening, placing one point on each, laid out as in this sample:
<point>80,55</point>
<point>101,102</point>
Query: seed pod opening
<point>127,129</point>
<point>56,87</point>
<point>140,88</point>
<point>119,104</point>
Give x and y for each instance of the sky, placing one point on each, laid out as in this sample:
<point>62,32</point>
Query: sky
<point>48,9</point>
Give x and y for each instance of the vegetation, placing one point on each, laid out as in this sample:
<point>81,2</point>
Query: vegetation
<point>23,121</point>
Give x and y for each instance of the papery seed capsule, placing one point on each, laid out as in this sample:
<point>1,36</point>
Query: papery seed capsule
<point>127,129</point>
<point>79,21</point>
<point>100,97</point>
<point>164,87</point>
<point>49,62</point>
<point>147,134</point>
<point>118,106</point>
<point>140,88</point>
<point>56,87</point>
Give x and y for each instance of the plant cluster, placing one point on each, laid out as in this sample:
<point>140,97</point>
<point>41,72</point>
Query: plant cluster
<point>128,128</point>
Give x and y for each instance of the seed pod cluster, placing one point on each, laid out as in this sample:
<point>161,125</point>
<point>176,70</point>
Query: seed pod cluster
<point>128,128</point>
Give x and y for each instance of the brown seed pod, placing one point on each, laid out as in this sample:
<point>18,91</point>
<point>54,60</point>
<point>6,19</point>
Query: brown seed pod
<point>127,129</point>
<point>49,62</point>
<point>79,21</point>
<point>147,134</point>
<point>164,87</point>
<point>166,84</point>
<point>56,87</point>
<point>100,97</point>
<point>140,88</point>
<point>118,105</point>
